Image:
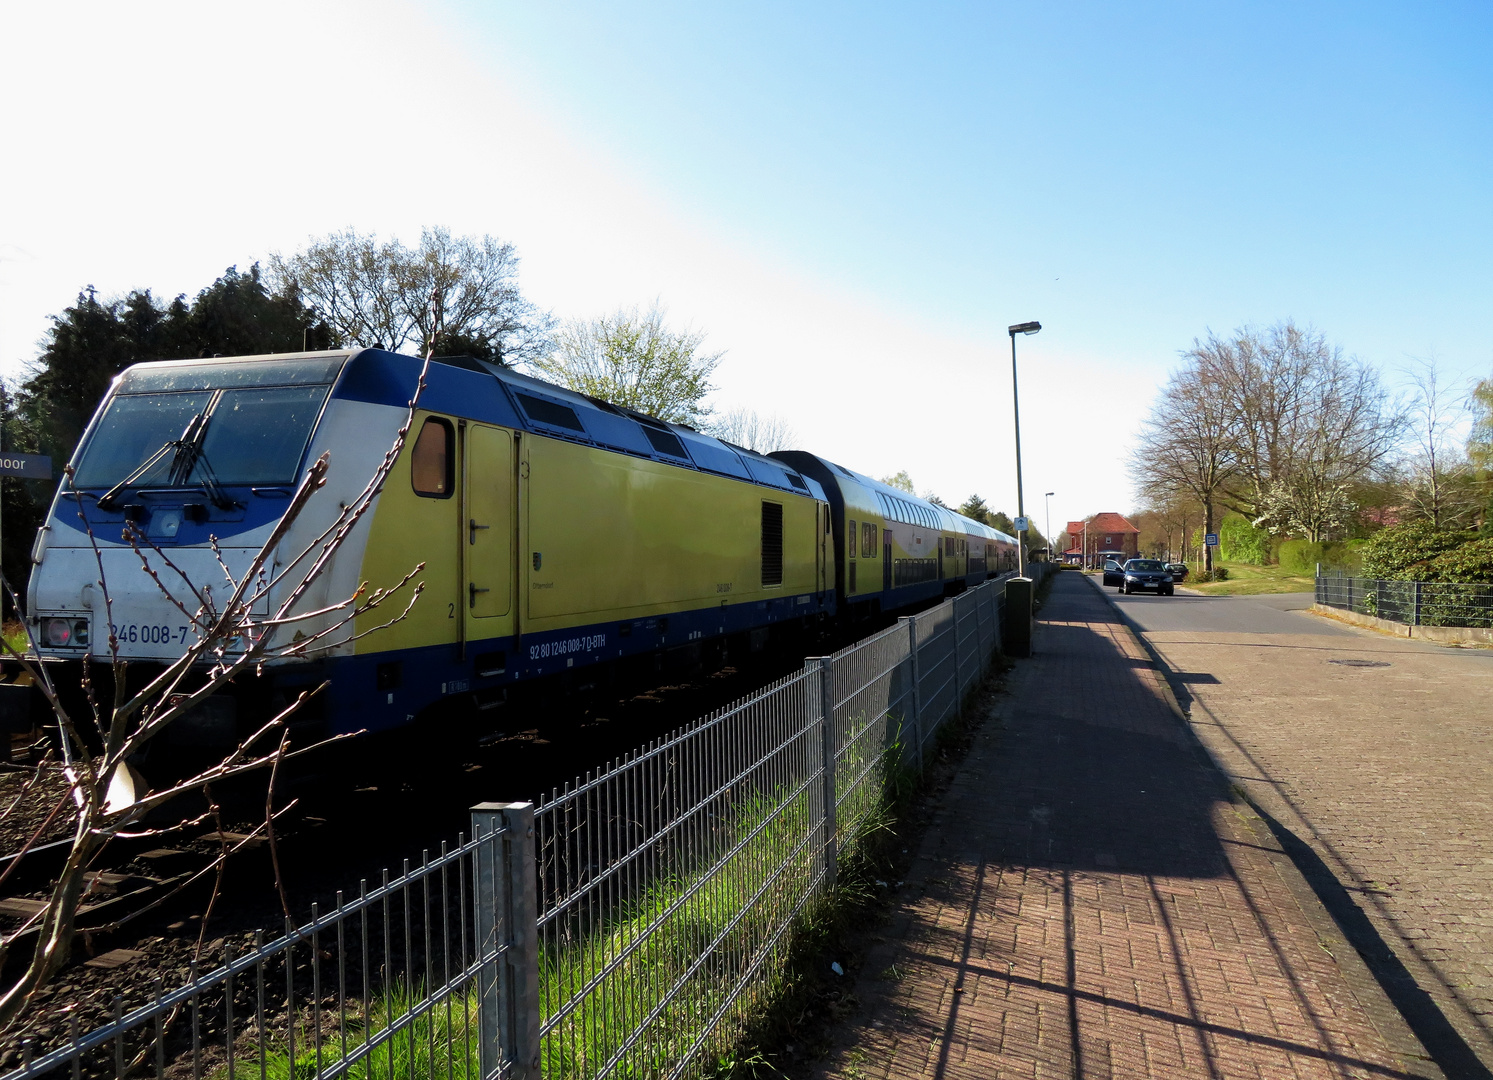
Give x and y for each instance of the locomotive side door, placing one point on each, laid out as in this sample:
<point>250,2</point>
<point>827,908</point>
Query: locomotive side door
<point>487,531</point>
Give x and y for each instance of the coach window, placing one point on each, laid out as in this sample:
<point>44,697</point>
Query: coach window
<point>850,533</point>
<point>868,540</point>
<point>432,464</point>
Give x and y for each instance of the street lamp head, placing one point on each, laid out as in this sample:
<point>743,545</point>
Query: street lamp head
<point>1024,328</point>
<point>1050,493</point>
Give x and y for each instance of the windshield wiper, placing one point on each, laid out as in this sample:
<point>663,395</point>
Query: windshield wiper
<point>188,451</point>
<point>193,430</point>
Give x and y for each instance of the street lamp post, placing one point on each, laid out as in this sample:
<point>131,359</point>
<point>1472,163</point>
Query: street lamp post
<point>1019,328</point>
<point>1047,520</point>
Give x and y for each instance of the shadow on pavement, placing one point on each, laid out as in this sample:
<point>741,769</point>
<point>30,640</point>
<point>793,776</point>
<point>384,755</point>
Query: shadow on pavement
<point>1420,1011</point>
<point>1442,1041</point>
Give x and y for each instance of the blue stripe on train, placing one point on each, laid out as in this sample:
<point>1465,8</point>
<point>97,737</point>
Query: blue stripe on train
<point>379,691</point>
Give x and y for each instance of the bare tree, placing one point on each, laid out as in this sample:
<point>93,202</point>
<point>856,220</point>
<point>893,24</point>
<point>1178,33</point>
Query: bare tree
<point>371,292</point>
<point>1187,445</point>
<point>1306,421</point>
<point>1435,481</point>
<point>1167,524</point>
<point>228,638</point>
<point>748,428</point>
<point>633,360</point>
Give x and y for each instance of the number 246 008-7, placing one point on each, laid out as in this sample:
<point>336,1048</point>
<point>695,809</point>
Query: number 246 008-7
<point>151,634</point>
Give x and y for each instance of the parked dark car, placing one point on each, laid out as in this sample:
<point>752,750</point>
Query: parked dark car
<point>1178,571</point>
<point>1144,575</point>
<point>1113,574</point>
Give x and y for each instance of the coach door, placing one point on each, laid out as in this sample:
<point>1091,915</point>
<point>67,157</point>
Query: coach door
<point>487,528</point>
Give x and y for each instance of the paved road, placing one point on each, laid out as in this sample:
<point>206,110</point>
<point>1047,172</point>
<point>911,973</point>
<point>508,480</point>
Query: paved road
<point>1380,770</point>
<point>1279,614</point>
<point>1091,901</point>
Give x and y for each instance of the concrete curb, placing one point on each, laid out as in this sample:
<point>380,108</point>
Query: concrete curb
<point>1439,635</point>
<point>1376,1003</point>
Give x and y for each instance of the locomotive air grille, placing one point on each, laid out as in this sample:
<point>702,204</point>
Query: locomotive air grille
<point>772,543</point>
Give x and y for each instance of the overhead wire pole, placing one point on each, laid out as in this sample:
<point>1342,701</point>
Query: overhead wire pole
<point>1019,328</point>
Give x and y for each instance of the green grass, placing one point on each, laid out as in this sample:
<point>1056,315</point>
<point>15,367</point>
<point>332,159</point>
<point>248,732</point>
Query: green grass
<point>1247,580</point>
<point>15,636</point>
<point>731,905</point>
<point>727,907</point>
<point>420,1050</point>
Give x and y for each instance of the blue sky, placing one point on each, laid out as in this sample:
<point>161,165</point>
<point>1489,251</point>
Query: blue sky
<point>1178,166</point>
<point>852,200</point>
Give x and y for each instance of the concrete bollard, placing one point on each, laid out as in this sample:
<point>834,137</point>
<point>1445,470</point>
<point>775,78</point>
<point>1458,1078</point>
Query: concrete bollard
<point>1016,635</point>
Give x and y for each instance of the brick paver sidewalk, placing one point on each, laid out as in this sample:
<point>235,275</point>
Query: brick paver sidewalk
<point>1091,901</point>
<point>1386,774</point>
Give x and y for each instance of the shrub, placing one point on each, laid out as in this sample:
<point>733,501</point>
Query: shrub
<point>1302,556</point>
<point>1398,551</point>
<point>1470,564</point>
<point>1239,541</point>
<point>1344,554</point>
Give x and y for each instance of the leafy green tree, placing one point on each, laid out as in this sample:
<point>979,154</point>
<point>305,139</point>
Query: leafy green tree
<point>901,481</point>
<point>633,360</point>
<point>238,316</point>
<point>976,509</point>
<point>94,340</point>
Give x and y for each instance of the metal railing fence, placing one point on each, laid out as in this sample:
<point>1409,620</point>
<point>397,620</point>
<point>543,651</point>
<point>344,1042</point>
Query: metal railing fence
<point>627,925</point>
<point>382,985</point>
<point>670,881</point>
<point>1415,603</point>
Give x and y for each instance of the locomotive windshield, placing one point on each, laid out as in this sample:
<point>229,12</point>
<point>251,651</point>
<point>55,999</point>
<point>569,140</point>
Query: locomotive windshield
<point>209,424</point>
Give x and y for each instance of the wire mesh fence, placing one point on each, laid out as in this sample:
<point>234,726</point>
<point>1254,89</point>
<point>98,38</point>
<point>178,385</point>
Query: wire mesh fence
<point>1415,603</point>
<point>627,925</point>
<point>385,984</point>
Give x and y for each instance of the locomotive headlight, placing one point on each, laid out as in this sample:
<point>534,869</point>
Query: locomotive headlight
<point>64,633</point>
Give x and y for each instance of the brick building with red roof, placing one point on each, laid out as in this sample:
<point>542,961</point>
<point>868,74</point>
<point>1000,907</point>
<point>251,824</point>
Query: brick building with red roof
<point>1107,532</point>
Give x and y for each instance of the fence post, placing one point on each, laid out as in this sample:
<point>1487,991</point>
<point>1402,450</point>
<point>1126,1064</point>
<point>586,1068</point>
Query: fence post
<point>1417,605</point>
<point>507,925</point>
<point>914,723</point>
<point>822,695</point>
<point>958,660</point>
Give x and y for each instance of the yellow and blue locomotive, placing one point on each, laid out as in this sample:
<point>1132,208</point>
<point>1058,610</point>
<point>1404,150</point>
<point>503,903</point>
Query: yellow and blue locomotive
<point>557,531</point>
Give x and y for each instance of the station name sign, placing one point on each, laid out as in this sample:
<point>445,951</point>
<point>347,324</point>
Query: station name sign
<point>31,466</point>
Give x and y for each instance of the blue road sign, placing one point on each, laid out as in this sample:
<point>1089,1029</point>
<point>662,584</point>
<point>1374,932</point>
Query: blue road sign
<point>32,466</point>
<point>1211,539</point>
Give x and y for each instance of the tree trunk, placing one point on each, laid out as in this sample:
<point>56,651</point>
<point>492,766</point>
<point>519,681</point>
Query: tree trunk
<point>1207,530</point>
